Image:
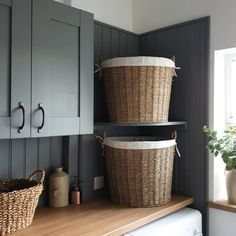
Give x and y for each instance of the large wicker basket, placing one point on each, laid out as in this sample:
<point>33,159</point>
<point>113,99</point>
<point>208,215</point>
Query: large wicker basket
<point>139,170</point>
<point>138,89</point>
<point>18,201</point>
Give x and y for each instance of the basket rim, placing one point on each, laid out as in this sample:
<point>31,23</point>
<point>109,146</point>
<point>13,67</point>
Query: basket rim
<point>37,185</point>
<point>125,143</point>
<point>138,61</point>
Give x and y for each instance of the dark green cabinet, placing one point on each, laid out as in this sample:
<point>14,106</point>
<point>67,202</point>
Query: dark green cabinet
<point>47,71</point>
<point>15,66</point>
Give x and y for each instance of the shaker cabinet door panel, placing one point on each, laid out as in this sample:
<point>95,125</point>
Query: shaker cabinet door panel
<point>5,70</point>
<point>56,69</point>
<point>15,64</point>
<point>64,70</point>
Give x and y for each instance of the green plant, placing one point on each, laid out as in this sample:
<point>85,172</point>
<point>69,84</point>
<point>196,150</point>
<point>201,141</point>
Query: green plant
<point>224,146</point>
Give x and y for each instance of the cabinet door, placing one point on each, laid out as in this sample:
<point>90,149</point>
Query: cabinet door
<point>58,51</point>
<point>15,68</point>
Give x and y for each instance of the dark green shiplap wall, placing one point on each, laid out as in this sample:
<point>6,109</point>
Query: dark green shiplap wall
<point>20,157</point>
<point>189,42</point>
<point>109,42</point>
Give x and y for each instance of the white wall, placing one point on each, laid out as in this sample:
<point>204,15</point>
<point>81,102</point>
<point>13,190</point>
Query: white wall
<point>153,14</point>
<point>114,12</point>
<point>222,223</point>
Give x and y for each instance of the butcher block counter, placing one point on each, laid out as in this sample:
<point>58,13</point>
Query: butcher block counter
<point>97,217</point>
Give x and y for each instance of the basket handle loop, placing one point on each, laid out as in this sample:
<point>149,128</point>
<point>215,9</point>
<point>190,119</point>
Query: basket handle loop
<point>98,68</point>
<point>101,141</point>
<point>173,57</point>
<point>174,136</point>
<point>38,172</point>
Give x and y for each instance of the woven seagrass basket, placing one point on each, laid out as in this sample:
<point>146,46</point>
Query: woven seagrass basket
<point>18,201</point>
<point>139,170</point>
<point>138,89</point>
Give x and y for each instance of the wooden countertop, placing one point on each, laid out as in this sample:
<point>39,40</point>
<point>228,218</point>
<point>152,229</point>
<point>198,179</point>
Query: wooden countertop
<point>223,205</point>
<point>100,217</point>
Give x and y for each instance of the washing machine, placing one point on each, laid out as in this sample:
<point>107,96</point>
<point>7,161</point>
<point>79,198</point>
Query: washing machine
<point>185,222</point>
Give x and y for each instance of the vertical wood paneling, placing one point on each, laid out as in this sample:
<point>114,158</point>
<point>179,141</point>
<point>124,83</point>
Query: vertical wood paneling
<point>109,42</point>
<point>19,158</point>
<point>142,45</point>
<point>99,103</point>
<point>87,167</point>
<point>44,163</point>
<point>70,159</point>
<point>189,42</point>
<point>31,156</point>
<point>197,115</point>
<point>4,159</point>
<point>44,153</point>
<point>56,152</point>
<point>97,43</point>
<point>123,47</point>
<point>106,43</point>
<point>151,42</point>
<point>115,43</point>
<point>133,45</point>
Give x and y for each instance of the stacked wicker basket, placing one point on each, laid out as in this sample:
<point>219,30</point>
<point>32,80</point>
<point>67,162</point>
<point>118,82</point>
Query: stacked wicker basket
<point>138,88</point>
<point>139,169</point>
<point>18,201</point>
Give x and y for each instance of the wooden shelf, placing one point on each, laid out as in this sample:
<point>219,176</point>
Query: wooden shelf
<point>223,205</point>
<point>110,124</point>
<point>100,217</point>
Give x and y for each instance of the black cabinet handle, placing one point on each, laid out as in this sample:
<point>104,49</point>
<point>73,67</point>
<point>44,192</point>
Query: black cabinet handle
<point>21,106</point>
<point>40,107</point>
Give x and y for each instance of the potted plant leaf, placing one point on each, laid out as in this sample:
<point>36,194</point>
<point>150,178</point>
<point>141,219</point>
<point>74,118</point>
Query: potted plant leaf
<point>225,147</point>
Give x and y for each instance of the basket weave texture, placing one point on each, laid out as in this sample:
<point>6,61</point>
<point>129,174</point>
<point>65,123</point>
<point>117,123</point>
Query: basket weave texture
<point>18,201</point>
<point>140,178</point>
<point>138,93</point>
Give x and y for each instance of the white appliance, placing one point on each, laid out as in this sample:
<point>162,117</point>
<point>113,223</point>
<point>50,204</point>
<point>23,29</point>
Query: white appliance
<point>185,222</point>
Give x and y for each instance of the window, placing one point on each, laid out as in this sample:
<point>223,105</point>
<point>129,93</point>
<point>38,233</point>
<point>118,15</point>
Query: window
<point>224,101</point>
<point>230,81</point>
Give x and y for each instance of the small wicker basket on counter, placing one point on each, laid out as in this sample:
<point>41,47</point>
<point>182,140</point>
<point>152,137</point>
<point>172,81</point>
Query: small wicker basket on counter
<point>138,89</point>
<point>18,201</point>
<point>139,170</point>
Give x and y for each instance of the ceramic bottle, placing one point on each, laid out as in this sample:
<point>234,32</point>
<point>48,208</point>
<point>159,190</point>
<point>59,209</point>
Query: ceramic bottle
<point>58,188</point>
<point>75,193</point>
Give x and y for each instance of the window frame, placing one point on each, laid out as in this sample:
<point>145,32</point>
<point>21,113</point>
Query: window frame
<point>228,93</point>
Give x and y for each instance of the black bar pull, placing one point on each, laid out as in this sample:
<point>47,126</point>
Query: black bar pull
<point>21,106</point>
<point>40,107</point>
